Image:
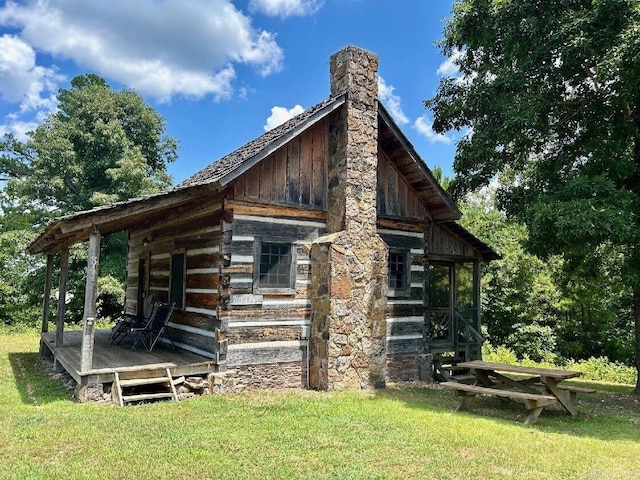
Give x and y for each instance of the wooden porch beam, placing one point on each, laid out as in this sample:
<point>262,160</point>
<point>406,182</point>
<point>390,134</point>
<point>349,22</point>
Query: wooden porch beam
<point>90,297</point>
<point>47,293</point>
<point>62,294</point>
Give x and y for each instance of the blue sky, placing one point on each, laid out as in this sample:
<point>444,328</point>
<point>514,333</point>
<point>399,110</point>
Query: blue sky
<point>221,71</point>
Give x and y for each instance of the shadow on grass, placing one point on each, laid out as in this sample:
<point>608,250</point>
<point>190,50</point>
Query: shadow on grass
<point>611,414</point>
<point>35,386</point>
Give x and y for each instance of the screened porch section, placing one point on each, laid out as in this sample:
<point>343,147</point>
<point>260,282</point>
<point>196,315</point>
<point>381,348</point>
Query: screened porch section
<point>453,325</point>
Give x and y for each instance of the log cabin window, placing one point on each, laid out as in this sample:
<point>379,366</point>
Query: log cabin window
<point>176,280</point>
<point>275,264</point>
<point>398,273</point>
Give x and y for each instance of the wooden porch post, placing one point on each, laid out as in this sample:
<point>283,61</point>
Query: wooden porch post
<point>62,293</point>
<point>47,293</point>
<point>477,276</point>
<point>90,297</point>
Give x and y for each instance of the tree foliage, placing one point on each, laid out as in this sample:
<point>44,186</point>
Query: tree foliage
<point>101,146</point>
<point>550,91</point>
<point>19,274</point>
<point>536,309</point>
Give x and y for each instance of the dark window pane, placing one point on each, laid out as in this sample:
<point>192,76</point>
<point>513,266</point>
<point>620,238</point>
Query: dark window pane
<point>275,265</point>
<point>439,292</point>
<point>398,271</point>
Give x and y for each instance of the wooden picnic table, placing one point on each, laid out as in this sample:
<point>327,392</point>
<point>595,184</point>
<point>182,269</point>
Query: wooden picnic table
<point>492,375</point>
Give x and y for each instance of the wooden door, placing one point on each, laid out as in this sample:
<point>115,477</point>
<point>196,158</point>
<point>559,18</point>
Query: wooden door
<point>143,286</point>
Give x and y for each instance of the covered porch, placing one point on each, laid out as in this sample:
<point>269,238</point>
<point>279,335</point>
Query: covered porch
<point>87,355</point>
<point>111,359</point>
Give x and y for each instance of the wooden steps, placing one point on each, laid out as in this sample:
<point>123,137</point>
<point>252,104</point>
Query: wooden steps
<point>144,385</point>
<point>445,369</point>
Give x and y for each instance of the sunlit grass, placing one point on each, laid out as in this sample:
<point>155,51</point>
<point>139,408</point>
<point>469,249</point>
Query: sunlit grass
<point>394,433</point>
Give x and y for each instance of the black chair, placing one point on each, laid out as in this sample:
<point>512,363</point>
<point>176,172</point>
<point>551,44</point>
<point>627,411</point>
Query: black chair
<point>149,334</point>
<point>125,322</point>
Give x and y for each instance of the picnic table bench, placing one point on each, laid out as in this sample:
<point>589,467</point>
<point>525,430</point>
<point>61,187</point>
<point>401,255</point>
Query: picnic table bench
<point>490,379</point>
<point>534,402</point>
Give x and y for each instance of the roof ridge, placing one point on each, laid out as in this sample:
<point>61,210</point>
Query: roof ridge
<point>228,163</point>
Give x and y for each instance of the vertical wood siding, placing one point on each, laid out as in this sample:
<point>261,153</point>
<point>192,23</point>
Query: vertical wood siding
<point>294,175</point>
<point>395,198</point>
<point>445,243</point>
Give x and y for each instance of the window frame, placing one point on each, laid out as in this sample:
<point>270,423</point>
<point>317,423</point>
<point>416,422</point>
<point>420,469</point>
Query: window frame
<point>402,292</point>
<point>290,289</point>
<point>182,252</point>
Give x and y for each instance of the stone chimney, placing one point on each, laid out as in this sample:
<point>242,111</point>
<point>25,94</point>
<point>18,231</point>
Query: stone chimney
<point>353,143</point>
<point>347,346</point>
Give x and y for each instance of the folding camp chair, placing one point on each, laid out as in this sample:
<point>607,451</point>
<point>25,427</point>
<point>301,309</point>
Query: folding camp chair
<point>127,321</point>
<point>149,334</point>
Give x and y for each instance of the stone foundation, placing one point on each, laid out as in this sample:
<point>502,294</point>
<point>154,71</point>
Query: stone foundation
<point>403,368</point>
<point>94,392</point>
<point>274,376</point>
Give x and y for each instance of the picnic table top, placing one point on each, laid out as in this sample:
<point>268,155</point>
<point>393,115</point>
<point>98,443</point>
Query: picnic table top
<point>541,372</point>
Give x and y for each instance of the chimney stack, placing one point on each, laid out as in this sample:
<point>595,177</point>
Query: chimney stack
<point>353,143</point>
<point>347,345</point>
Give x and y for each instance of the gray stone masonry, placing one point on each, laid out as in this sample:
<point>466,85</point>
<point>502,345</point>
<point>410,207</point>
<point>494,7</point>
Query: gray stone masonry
<point>349,264</point>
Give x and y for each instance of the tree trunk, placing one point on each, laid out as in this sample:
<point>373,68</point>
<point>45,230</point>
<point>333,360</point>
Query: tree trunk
<point>636,287</point>
<point>636,313</point>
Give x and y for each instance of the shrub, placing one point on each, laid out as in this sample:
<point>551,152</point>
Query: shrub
<point>599,369</point>
<point>603,370</point>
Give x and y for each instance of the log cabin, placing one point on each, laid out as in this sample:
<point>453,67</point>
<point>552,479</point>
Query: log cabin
<point>323,254</point>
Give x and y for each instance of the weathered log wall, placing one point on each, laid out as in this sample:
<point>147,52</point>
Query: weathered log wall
<point>405,311</point>
<point>197,233</point>
<point>267,333</point>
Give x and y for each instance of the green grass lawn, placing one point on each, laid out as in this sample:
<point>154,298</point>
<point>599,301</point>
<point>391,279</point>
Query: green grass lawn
<point>393,433</point>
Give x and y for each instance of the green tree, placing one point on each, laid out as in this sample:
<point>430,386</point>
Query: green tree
<point>19,302</point>
<point>100,147</point>
<point>551,92</point>
<point>520,300</point>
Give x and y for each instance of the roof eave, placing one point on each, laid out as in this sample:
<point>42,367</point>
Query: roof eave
<point>283,140</point>
<point>451,210</point>
<point>69,229</point>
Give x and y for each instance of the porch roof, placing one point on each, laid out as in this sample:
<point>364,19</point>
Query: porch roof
<point>485,250</point>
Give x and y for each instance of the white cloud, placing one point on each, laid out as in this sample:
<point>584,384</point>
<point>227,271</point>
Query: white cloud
<point>391,101</point>
<point>285,8</point>
<point>448,68</point>
<point>18,129</point>
<point>23,83</point>
<point>425,127</point>
<point>279,115</point>
<point>21,80</point>
<point>161,48</point>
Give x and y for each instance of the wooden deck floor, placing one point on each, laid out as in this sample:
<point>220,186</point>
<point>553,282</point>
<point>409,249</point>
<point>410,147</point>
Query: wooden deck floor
<point>108,359</point>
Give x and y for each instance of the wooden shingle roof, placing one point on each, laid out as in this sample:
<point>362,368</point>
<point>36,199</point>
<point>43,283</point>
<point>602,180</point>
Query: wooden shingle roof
<point>75,228</point>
